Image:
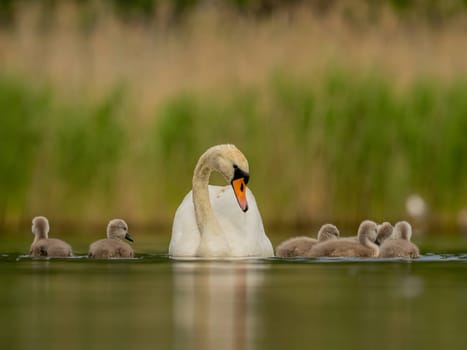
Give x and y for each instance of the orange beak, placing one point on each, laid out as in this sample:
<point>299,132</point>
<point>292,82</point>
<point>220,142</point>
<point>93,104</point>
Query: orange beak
<point>239,187</point>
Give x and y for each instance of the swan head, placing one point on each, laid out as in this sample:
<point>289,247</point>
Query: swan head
<point>40,227</point>
<point>367,230</point>
<point>403,230</point>
<point>327,232</point>
<point>384,232</point>
<point>118,228</point>
<point>230,162</point>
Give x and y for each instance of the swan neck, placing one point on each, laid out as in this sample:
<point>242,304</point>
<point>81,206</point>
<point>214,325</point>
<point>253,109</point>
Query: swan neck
<point>37,238</point>
<point>40,235</point>
<point>203,210</point>
<point>364,240</point>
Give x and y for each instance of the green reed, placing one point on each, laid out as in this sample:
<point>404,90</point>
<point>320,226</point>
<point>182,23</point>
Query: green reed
<point>22,110</point>
<point>335,146</point>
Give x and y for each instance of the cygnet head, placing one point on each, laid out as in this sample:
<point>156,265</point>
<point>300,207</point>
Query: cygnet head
<point>367,230</point>
<point>384,232</point>
<point>403,230</point>
<point>232,164</point>
<point>117,228</point>
<point>40,227</point>
<point>328,231</point>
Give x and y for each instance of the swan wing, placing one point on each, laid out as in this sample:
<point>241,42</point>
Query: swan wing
<point>185,233</point>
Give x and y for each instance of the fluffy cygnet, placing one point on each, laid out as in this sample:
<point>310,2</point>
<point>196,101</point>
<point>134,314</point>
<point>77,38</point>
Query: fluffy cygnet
<point>44,246</point>
<point>364,247</point>
<point>300,246</point>
<point>384,232</point>
<point>113,246</point>
<point>400,246</point>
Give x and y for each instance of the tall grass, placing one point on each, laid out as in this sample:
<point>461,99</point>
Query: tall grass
<point>341,113</point>
<point>22,110</point>
<point>342,146</point>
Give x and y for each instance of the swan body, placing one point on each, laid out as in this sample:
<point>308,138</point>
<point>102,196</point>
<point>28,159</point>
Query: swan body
<point>295,246</point>
<point>364,247</point>
<point>113,246</point>
<point>45,246</point>
<point>219,221</point>
<point>400,246</point>
<point>301,246</point>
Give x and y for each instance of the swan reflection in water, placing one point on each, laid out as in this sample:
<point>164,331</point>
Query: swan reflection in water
<point>215,304</point>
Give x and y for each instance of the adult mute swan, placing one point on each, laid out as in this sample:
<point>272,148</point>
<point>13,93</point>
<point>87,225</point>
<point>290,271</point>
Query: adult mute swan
<point>219,221</point>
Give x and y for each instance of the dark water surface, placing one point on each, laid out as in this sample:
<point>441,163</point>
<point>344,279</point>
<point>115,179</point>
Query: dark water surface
<point>156,302</point>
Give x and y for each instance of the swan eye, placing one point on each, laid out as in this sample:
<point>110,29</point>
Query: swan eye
<point>239,173</point>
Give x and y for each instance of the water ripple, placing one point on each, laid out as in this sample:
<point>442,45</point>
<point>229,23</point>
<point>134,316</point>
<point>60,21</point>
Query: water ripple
<point>163,257</point>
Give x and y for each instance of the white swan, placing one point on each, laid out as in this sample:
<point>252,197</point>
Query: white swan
<point>209,222</point>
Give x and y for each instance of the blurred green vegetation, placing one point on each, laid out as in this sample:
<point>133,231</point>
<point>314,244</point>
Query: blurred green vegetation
<point>90,139</point>
<point>23,110</point>
<point>342,146</point>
